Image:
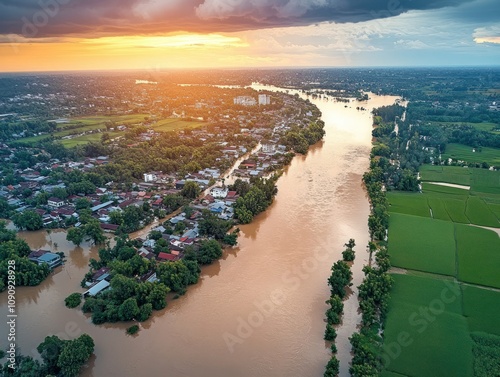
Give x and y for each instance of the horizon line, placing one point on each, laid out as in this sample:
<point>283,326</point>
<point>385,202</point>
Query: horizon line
<point>241,68</point>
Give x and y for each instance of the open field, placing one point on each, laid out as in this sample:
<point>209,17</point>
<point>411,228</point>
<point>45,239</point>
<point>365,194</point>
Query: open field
<point>483,126</point>
<point>456,209</point>
<point>433,188</point>
<point>427,312</point>
<point>422,244</point>
<point>440,318</point>
<point>436,320</point>
<point>438,207</point>
<point>100,121</point>
<point>480,205</point>
<point>485,181</point>
<point>408,203</point>
<point>90,123</point>
<point>81,140</point>
<point>479,180</point>
<point>173,124</point>
<point>449,174</point>
<point>481,308</point>
<point>477,212</point>
<point>84,124</point>
<point>478,255</point>
<point>466,153</point>
<point>493,205</point>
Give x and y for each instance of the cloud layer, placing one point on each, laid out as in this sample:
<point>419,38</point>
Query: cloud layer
<point>92,18</point>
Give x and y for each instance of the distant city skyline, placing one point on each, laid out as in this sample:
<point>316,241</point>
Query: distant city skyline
<point>57,35</point>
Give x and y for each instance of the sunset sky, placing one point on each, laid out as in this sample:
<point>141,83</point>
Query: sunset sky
<point>51,35</point>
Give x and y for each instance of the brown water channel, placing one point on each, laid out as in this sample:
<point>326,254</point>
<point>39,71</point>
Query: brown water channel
<point>260,310</point>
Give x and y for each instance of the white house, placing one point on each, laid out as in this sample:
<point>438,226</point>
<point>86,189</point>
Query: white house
<point>268,148</point>
<point>150,177</point>
<point>219,192</point>
<point>55,202</point>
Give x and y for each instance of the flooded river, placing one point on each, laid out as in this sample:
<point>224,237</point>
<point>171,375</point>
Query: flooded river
<point>260,310</point>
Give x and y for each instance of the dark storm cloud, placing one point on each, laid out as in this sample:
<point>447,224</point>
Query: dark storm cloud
<point>92,18</point>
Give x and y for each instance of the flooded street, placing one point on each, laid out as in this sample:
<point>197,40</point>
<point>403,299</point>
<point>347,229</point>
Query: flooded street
<point>260,310</point>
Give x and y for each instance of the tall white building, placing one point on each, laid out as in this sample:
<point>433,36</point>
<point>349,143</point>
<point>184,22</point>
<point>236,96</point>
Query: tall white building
<point>264,99</point>
<point>245,101</point>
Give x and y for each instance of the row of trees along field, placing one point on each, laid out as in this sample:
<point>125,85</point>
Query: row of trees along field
<point>374,291</point>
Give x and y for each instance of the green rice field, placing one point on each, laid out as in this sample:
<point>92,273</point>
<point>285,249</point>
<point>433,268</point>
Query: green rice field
<point>422,244</point>
<point>449,174</point>
<point>427,312</point>
<point>173,124</point>
<point>481,308</point>
<point>448,326</point>
<point>469,154</point>
<point>408,203</point>
<point>478,255</point>
<point>478,212</point>
<point>91,123</point>
<point>485,181</point>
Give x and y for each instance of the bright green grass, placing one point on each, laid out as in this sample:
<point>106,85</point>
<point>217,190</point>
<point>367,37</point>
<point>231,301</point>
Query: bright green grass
<point>465,153</point>
<point>422,244</point>
<point>481,308</point>
<point>386,373</point>
<point>448,203</point>
<point>438,208</point>
<point>102,119</point>
<point>495,208</point>
<point>449,174</point>
<point>437,342</point>
<point>478,255</point>
<point>478,212</point>
<point>409,203</point>
<point>85,139</point>
<point>456,210</point>
<point>173,124</point>
<point>430,188</point>
<point>420,290</point>
<point>486,181</point>
<point>88,124</point>
<point>99,122</point>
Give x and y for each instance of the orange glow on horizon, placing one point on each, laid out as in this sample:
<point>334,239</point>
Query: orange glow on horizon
<point>188,50</point>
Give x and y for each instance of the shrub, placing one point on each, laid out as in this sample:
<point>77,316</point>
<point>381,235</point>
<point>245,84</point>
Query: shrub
<point>330,333</point>
<point>73,300</point>
<point>132,330</point>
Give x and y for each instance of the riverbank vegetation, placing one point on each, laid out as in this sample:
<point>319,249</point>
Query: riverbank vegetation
<point>339,281</point>
<point>255,197</point>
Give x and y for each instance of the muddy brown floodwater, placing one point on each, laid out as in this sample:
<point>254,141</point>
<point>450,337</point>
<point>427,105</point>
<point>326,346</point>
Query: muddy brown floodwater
<point>260,310</point>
